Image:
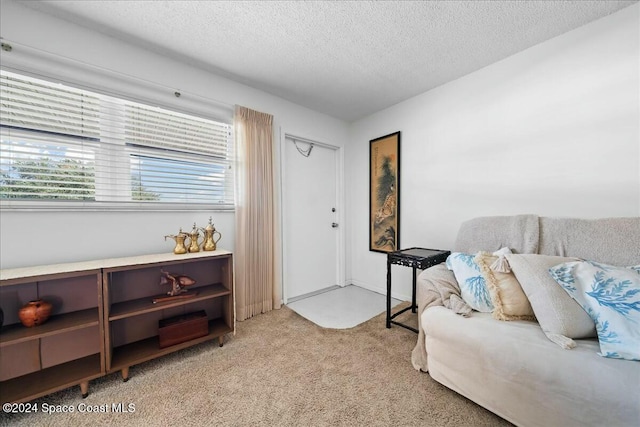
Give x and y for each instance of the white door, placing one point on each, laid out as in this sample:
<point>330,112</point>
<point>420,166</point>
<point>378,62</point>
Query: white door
<point>310,212</point>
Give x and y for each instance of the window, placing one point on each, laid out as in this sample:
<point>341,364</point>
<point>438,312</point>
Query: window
<point>62,146</point>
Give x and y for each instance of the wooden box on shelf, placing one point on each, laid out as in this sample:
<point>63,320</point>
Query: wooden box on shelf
<point>182,328</point>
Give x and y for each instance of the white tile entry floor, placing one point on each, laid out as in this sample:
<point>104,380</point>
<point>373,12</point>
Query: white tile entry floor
<point>342,308</point>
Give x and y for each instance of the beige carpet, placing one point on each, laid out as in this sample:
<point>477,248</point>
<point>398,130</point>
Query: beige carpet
<point>279,370</point>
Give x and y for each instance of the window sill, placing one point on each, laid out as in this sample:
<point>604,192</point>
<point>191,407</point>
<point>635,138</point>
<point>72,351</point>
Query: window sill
<point>57,206</point>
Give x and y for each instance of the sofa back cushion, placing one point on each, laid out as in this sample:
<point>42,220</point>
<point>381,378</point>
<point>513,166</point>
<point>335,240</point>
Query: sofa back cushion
<point>614,241</point>
<point>518,233</point>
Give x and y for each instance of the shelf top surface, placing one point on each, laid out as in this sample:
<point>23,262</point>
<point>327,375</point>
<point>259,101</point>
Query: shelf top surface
<point>44,270</point>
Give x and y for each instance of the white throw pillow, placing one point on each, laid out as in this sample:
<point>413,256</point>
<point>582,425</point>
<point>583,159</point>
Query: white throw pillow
<point>611,296</point>
<point>560,317</point>
<point>473,288</point>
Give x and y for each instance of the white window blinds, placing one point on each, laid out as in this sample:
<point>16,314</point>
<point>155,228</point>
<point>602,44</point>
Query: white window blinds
<point>69,145</point>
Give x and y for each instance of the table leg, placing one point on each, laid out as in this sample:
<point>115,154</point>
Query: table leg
<point>413,295</point>
<point>388,294</point>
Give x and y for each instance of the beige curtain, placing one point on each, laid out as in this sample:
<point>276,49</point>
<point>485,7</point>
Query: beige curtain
<point>257,287</point>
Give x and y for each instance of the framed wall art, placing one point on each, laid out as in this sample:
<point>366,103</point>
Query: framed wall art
<point>384,193</point>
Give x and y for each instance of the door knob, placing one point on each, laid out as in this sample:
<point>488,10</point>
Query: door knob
<point>334,224</point>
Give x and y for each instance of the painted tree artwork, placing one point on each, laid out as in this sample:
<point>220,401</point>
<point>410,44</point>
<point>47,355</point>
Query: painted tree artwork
<point>384,193</point>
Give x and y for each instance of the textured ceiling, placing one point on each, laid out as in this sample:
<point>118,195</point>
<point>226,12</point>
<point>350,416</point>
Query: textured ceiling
<point>347,59</point>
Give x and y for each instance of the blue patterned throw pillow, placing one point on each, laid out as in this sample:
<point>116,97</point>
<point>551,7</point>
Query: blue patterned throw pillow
<point>611,297</point>
<point>473,288</point>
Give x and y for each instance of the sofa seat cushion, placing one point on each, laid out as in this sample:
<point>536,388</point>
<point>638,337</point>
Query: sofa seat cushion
<point>507,366</point>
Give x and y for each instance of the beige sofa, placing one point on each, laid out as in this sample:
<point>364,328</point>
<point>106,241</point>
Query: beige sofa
<point>511,367</point>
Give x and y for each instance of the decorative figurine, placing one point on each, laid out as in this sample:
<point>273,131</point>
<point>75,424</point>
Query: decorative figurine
<point>209,232</point>
<point>178,283</point>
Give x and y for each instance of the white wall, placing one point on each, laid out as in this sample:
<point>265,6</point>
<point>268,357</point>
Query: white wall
<point>553,131</point>
<point>33,238</point>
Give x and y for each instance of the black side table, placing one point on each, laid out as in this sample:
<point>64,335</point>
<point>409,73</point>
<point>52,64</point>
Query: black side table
<point>415,258</point>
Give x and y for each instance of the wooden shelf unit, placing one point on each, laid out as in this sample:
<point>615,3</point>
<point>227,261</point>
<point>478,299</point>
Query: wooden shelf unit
<point>131,316</point>
<point>103,318</point>
<point>66,350</point>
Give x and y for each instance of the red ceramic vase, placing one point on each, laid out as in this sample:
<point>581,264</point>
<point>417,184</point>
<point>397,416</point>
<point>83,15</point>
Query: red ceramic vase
<point>35,313</point>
